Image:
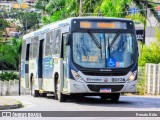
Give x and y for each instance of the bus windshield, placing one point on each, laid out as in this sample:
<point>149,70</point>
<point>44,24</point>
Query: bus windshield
<point>116,50</point>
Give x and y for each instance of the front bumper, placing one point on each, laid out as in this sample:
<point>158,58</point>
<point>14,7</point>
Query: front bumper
<point>79,87</point>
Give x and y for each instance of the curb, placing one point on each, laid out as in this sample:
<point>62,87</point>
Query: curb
<point>5,107</point>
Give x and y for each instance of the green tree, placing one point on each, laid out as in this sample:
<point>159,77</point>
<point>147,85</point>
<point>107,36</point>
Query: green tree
<point>3,25</point>
<point>16,46</point>
<point>137,18</point>
<point>60,9</point>
<point>54,6</point>
<point>54,10</point>
<point>55,17</point>
<point>10,52</point>
<point>150,54</point>
<point>115,8</point>
<point>41,4</point>
<point>28,20</point>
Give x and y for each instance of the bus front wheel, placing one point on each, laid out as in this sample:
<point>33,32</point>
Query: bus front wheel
<point>58,95</point>
<point>115,97</point>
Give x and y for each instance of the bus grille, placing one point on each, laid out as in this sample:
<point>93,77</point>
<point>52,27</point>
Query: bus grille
<point>114,88</point>
<point>100,73</point>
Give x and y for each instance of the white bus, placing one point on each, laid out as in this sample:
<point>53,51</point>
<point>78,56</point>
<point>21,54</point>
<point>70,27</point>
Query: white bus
<point>81,55</point>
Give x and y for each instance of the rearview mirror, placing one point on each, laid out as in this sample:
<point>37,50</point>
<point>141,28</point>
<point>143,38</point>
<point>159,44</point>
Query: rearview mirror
<point>140,35</point>
<point>68,38</point>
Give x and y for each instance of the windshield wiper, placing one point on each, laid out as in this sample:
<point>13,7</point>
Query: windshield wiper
<point>108,48</point>
<point>114,39</point>
<point>94,39</point>
<point>112,42</point>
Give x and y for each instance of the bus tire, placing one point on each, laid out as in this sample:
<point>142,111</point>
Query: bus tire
<point>35,93</point>
<point>115,97</point>
<point>43,94</point>
<point>103,97</point>
<point>59,95</point>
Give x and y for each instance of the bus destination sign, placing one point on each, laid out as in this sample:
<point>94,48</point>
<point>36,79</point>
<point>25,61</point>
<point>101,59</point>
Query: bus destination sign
<point>103,25</point>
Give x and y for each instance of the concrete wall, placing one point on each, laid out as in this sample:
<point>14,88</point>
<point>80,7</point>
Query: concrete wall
<point>10,87</point>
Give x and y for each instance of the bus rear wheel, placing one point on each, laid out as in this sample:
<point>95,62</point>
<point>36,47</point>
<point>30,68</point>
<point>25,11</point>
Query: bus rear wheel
<point>43,94</point>
<point>34,93</point>
<point>59,95</point>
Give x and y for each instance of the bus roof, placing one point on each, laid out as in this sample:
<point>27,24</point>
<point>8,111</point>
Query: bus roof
<point>68,22</point>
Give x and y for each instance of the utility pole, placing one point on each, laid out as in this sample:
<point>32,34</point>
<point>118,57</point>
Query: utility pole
<point>2,62</point>
<point>80,7</point>
<point>26,26</point>
<point>145,22</point>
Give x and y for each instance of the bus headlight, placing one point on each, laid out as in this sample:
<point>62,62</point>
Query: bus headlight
<point>76,76</point>
<point>132,76</point>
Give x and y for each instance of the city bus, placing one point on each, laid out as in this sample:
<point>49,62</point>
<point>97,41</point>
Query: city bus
<point>96,56</point>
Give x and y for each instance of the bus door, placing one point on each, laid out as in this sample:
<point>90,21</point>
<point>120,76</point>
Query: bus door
<point>40,64</point>
<point>27,66</point>
<point>65,61</point>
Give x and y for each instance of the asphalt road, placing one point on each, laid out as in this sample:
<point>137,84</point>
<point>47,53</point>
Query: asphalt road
<point>126,103</point>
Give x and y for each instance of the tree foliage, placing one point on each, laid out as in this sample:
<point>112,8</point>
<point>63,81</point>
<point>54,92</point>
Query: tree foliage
<point>151,53</point>
<point>8,76</point>
<point>28,20</point>
<point>10,52</point>
<point>114,8</point>
<point>137,18</point>
<point>41,4</point>
<point>60,9</point>
<point>3,25</point>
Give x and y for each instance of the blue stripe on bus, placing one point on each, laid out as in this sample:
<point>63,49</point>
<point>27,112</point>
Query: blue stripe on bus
<point>22,69</point>
<point>39,62</point>
<point>26,68</point>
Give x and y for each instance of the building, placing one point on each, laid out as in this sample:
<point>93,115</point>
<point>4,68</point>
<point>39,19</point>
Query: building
<point>7,5</point>
<point>28,1</point>
<point>8,1</point>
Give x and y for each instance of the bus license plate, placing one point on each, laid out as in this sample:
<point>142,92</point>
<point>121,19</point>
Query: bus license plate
<point>105,90</point>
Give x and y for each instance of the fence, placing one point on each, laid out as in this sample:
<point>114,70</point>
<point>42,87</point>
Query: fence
<point>152,79</point>
<point>10,87</point>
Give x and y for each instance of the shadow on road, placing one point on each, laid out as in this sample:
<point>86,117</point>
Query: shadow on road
<point>125,101</point>
<point>95,100</point>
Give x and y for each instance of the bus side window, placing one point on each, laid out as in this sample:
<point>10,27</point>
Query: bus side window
<point>53,42</point>
<point>27,52</point>
<point>48,44</point>
<point>23,53</point>
<point>57,40</point>
<point>53,35</point>
<point>31,48</point>
<point>35,47</point>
